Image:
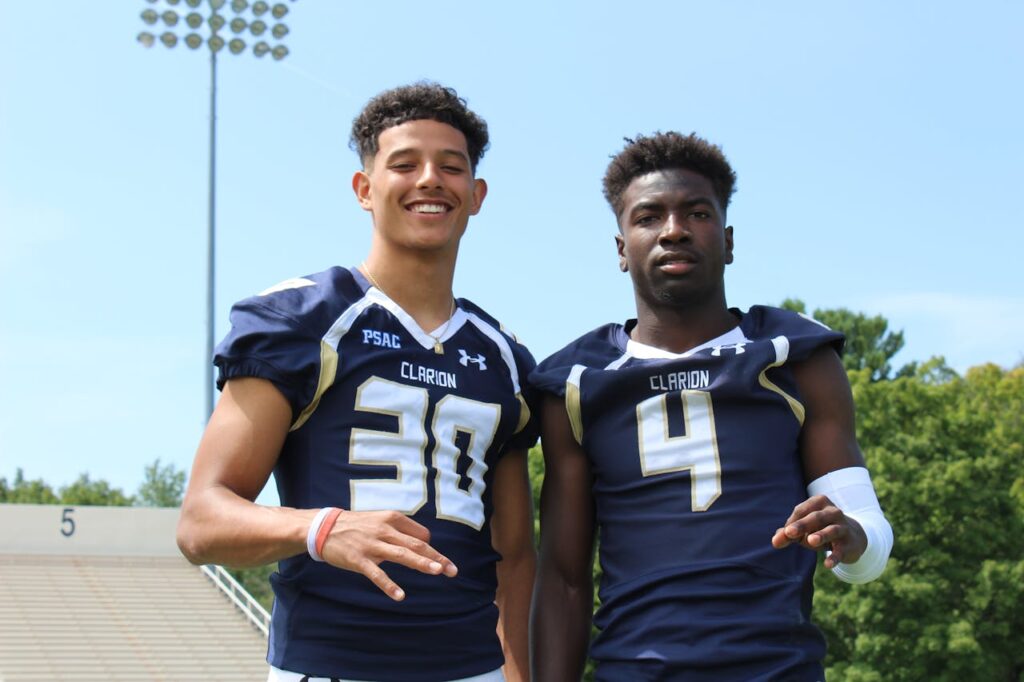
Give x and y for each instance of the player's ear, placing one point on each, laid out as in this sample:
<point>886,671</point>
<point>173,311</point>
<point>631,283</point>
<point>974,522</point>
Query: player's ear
<point>728,244</point>
<point>479,192</point>
<point>620,246</point>
<point>361,186</point>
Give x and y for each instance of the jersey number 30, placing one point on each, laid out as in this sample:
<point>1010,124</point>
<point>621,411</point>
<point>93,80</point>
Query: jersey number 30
<point>404,450</point>
<point>696,450</point>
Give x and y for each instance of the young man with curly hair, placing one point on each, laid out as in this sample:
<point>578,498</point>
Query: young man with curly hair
<point>702,446</point>
<point>392,416</point>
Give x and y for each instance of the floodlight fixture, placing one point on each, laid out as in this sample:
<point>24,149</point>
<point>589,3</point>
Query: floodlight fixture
<point>209,14</point>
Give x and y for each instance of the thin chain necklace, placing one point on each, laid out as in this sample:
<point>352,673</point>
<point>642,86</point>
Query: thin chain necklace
<point>438,346</point>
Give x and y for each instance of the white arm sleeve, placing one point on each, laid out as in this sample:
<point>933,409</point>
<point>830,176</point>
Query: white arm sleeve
<point>850,489</point>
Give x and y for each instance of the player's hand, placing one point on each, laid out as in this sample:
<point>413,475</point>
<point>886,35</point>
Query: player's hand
<point>361,541</point>
<point>818,524</point>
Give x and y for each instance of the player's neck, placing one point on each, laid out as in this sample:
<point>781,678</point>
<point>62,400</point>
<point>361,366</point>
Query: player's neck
<point>678,329</point>
<point>421,286</point>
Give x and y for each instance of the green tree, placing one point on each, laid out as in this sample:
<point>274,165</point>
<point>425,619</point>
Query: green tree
<point>256,581</point>
<point>20,491</point>
<point>163,486</point>
<point>869,344</point>
<point>947,457</point>
<point>85,491</point>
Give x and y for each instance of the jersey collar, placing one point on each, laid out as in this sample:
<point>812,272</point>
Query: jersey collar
<point>425,339</point>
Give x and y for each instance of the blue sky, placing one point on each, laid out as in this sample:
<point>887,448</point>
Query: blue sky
<point>878,147</point>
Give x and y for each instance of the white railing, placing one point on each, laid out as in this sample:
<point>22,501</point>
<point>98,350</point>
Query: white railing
<point>256,614</point>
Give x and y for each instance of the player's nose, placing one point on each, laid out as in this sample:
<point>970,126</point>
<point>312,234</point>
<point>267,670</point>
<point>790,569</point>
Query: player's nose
<point>430,175</point>
<point>674,228</point>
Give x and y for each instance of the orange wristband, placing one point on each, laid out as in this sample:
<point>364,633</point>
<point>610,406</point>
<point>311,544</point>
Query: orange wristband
<point>325,530</point>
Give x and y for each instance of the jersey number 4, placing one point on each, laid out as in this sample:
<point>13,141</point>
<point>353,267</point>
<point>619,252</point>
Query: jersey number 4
<point>696,451</point>
<point>404,450</point>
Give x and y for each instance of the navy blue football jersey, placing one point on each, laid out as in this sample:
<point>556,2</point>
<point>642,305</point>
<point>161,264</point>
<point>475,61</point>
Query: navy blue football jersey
<point>695,462</point>
<point>383,422</point>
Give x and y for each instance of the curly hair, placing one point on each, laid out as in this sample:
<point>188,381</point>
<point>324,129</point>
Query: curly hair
<point>661,151</point>
<point>422,100</point>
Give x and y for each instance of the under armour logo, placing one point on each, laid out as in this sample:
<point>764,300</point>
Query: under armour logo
<point>464,360</point>
<point>737,346</point>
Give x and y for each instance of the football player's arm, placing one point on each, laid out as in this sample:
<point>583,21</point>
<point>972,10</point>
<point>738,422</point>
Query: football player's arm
<point>221,524</point>
<point>512,537</point>
<point>828,444</point>
<point>563,600</point>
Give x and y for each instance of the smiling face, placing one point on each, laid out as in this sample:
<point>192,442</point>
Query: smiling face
<point>419,186</point>
<point>672,241</point>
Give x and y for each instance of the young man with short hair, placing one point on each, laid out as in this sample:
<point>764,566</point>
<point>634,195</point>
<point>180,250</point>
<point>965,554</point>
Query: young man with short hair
<point>392,416</point>
<point>683,440</point>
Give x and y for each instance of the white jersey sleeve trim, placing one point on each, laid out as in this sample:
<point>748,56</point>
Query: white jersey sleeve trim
<point>294,283</point>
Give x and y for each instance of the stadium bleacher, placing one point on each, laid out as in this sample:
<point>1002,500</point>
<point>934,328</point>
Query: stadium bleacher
<point>102,593</point>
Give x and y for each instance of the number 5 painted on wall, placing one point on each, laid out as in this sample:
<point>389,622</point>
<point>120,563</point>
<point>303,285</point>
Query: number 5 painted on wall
<point>695,451</point>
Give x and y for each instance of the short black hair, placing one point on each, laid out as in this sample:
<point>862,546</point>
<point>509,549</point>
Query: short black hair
<point>661,151</point>
<point>422,100</point>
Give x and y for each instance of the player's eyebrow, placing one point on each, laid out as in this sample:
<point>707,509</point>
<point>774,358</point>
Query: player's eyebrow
<point>690,203</point>
<point>660,205</point>
<point>649,205</point>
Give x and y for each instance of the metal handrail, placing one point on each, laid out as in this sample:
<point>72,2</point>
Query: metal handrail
<point>252,609</point>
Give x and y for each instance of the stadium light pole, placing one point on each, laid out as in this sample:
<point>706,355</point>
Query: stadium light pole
<point>215,20</point>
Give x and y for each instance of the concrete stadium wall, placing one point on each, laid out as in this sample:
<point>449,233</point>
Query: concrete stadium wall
<point>90,531</point>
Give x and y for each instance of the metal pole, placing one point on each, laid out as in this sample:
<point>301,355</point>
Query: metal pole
<point>211,236</point>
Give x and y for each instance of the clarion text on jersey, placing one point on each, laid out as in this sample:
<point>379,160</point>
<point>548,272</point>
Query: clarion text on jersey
<point>428,375</point>
<point>678,381</point>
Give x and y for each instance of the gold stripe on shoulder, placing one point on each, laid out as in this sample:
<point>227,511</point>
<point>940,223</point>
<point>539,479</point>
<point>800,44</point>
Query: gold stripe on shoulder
<point>572,407</point>
<point>781,345</point>
<point>794,404</point>
<point>328,371</point>
<point>524,413</point>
